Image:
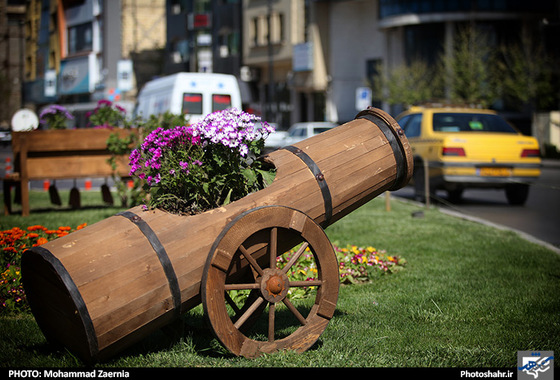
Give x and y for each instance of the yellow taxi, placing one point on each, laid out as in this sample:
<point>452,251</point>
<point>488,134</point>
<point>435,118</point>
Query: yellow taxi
<point>469,148</point>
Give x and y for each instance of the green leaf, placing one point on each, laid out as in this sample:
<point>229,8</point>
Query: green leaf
<point>228,197</point>
<point>250,175</point>
<point>267,175</point>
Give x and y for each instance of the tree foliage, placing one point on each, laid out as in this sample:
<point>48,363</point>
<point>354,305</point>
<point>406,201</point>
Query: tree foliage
<point>468,69</point>
<point>475,71</point>
<point>527,73</point>
<point>407,84</point>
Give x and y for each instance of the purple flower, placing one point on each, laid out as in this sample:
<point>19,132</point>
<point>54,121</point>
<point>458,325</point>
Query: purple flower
<point>55,114</point>
<point>179,159</point>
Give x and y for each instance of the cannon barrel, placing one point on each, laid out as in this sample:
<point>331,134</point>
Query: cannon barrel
<point>102,288</point>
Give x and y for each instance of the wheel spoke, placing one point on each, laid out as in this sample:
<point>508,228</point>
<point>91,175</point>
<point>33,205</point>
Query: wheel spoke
<point>299,284</point>
<point>241,286</point>
<point>273,247</point>
<point>294,311</point>
<point>295,257</point>
<point>251,260</point>
<point>271,315</point>
<point>231,303</point>
<point>248,313</point>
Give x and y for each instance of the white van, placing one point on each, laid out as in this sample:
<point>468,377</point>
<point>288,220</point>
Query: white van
<point>193,94</point>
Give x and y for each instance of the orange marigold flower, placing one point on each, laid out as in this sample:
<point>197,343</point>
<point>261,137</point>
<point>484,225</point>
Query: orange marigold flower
<point>64,228</point>
<point>36,227</point>
<point>32,235</point>
<point>83,225</point>
<point>42,240</point>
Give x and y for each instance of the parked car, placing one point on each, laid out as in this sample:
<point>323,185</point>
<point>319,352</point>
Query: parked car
<point>303,130</point>
<point>275,140</point>
<point>469,148</point>
<point>5,136</point>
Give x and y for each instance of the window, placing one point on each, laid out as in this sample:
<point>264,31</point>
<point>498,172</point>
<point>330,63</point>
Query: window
<point>180,51</point>
<point>267,28</point>
<point>202,6</point>
<point>229,44</point>
<point>255,32</point>
<point>276,28</point>
<point>192,104</point>
<point>298,132</point>
<point>470,122</point>
<point>80,38</point>
<point>411,125</point>
<point>220,102</point>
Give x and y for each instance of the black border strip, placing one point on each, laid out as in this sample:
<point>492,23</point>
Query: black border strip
<point>74,294</point>
<point>162,256</point>
<point>327,199</point>
<point>397,152</point>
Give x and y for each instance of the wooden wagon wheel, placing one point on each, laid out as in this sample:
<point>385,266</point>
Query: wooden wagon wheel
<point>251,255</point>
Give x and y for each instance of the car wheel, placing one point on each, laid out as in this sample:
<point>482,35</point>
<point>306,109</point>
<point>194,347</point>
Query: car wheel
<point>419,183</point>
<point>517,194</point>
<point>455,196</point>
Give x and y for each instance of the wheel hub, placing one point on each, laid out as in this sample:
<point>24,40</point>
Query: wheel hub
<point>274,285</point>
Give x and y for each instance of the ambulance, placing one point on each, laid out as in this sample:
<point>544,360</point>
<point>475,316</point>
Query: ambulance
<point>192,94</point>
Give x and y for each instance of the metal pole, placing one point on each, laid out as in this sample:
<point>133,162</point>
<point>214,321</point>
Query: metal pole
<point>427,183</point>
<point>270,88</point>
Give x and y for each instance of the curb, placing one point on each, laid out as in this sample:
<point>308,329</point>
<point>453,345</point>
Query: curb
<point>522,234</point>
<point>550,164</point>
<point>475,219</point>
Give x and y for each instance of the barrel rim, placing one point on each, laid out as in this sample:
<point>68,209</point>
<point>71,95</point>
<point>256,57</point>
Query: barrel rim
<point>71,288</point>
<point>398,141</point>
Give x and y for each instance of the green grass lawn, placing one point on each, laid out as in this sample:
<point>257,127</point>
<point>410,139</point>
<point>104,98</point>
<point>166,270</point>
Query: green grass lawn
<point>469,296</point>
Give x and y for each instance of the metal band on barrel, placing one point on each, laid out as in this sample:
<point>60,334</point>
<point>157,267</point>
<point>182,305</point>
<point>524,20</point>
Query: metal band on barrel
<point>162,256</point>
<point>327,199</point>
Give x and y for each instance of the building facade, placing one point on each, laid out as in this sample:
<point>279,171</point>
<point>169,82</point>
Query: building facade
<point>78,52</point>
<point>12,50</point>
<point>394,32</point>
<point>296,60</point>
<point>284,59</point>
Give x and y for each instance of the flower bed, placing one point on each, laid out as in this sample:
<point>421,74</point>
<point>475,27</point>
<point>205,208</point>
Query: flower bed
<point>13,243</point>
<point>356,265</point>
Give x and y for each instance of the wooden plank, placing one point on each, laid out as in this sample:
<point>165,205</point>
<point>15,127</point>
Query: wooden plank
<point>69,167</point>
<point>65,139</point>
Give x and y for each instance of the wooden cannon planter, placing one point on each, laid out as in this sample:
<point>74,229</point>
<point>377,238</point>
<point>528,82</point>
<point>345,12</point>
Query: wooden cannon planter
<point>104,287</point>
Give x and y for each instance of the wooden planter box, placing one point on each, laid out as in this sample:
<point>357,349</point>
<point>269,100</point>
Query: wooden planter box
<point>59,154</point>
<point>110,284</point>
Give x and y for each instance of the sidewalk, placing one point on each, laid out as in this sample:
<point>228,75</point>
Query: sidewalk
<point>551,164</point>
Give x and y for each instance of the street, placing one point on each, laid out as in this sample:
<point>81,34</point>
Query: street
<point>539,217</point>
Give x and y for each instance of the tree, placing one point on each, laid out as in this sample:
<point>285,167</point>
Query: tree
<point>476,72</point>
<point>469,69</point>
<point>527,74</point>
<point>406,84</point>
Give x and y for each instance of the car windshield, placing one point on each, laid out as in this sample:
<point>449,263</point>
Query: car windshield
<point>470,122</point>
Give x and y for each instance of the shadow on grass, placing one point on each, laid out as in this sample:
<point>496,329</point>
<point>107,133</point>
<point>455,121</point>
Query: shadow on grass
<point>195,331</point>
